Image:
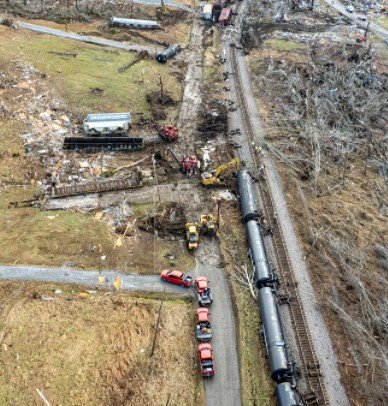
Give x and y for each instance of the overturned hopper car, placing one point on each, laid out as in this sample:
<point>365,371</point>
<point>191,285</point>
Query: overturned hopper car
<point>107,123</point>
<point>134,23</point>
<point>168,53</point>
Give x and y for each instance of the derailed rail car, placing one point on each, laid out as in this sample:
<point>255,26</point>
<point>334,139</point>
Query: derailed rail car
<point>286,395</point>
<point>168,53</point>
<point>281,368</point>
<point>263,273</point>
<point>247,199</point>
<point>134,23</point>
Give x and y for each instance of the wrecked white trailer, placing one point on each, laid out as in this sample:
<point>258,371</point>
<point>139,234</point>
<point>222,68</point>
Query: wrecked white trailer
<point>133,23</point>
<point>107,123</point>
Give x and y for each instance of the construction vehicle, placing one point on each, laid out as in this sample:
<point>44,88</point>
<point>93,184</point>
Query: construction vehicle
<point>192,235</point>
<point>169,133</point>
<point>187,165</point>
<point>209,225</point>
<point>213,178</point>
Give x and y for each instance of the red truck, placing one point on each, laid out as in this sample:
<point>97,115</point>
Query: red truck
<point>203,328</point>
<point>204,294</point>
<point>206,360</point>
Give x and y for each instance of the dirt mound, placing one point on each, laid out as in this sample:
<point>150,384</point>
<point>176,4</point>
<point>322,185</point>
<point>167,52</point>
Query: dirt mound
<point>213,119</point>
<point>168,220</point>
<point>160,101</point>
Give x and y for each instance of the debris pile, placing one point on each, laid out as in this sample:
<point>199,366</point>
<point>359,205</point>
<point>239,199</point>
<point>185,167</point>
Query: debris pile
<point>213,119</point>
<point>330,108</point>
<point>169,220</point>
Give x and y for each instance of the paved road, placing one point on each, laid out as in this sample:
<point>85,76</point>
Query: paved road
<point>224,388</point>
<point>89,39</point>
<point>145,283</point>
<point>354,17</point>
<point>169,3</point>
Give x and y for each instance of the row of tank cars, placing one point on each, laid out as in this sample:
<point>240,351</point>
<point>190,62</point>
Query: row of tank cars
<point>282,368</point>
<point>203,329</point>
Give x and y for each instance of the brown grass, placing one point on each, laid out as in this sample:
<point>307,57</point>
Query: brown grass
<point>94,350</point>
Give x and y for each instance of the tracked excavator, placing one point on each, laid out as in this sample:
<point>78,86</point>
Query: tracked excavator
<point>213,178</point>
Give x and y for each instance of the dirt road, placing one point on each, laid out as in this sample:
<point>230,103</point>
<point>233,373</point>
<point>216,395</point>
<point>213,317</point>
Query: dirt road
<point>191,101</point>
<point>169,3</point>
<point>224,388</point>
<point>144,283</point>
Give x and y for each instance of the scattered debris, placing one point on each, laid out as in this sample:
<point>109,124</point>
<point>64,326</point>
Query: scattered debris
<point>169,220</point>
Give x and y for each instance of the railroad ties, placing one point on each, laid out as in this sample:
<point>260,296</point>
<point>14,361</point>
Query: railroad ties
<point>95,187</point>
<point>316,394</point>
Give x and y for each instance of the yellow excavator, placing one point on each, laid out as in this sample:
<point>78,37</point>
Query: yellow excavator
<point>213,178</point>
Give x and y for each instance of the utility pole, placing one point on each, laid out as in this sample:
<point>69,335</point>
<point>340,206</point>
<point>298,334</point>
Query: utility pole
<point>161,89</point>
<point>367,28</point>
<point>157,324</point>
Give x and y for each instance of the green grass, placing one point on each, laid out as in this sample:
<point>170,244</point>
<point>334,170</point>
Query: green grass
<point>93,67</point>
<point>283,45</point>
<point>382,22</point>
<point>256,385</point>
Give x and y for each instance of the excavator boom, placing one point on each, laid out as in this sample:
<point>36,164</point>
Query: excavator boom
<point>224,167</point>
<point>212,179</point>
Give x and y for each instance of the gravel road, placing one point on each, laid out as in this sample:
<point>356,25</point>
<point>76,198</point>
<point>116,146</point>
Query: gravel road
<point>89,39</point>
<point>145,283</point>
<point>354,17</point>
<point>224,388</point>
<point>169,3</point>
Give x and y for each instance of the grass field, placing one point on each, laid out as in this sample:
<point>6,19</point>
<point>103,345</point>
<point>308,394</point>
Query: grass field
<point>283,45</point>
<point>77,78</point>
<point>94,350</point>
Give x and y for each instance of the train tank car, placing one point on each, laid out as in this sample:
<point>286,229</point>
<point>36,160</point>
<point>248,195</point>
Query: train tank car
<point>280,367</point>
<point>247,197</point>
<point>168,53</point>
<point>258,255</point>
<point>286,395</point>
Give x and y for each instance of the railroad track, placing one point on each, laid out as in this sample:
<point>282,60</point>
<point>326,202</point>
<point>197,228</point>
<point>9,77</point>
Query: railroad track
<point>95,187</point>
<point>310,368</point>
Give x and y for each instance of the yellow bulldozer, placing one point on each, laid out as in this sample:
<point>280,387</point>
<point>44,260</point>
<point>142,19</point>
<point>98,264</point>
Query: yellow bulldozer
<point>192,235</point>
<point>213,178</point>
